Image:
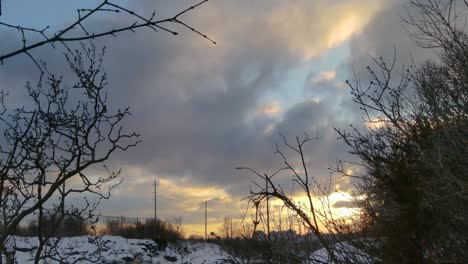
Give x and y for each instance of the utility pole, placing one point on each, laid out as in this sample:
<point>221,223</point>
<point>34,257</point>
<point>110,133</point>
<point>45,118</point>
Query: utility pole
<point>155,184</point>
<point>206,222</point>
<point>267,207</point>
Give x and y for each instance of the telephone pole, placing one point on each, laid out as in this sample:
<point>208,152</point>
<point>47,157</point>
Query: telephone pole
<point>206,222</point>
<point>155,184</point>
<point>231,229</point>
<point>267,207</point>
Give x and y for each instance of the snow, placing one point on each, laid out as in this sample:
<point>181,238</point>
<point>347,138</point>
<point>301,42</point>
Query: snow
<point>344,252</point>
<point>114,249</point>
<point>119,250</point>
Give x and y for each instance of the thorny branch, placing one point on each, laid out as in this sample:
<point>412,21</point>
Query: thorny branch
<point>69,33</point>
<point>300,177</point>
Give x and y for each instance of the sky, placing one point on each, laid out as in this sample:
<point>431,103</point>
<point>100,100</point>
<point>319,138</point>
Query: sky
<point>204,109</point>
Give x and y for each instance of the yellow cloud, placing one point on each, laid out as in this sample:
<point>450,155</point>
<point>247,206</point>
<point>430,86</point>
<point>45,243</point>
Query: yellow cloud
<point>305,28</point>
<point>270,109</point>
<point>310,27</point>
<point>324,76</point>
<point>376,123</point>
<point>324,205</point>
<point>344,30</point>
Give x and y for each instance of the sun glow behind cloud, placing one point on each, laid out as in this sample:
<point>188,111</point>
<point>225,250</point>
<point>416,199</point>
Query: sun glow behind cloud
<point>270,109</point>
<point>327,201</point>
<point>186,94</point>
<point>377,123</point>
<point>324,207</point>
<point>311,27</point>
<point>187,199</point>
<point>344,30</point>
<point>306,29</point>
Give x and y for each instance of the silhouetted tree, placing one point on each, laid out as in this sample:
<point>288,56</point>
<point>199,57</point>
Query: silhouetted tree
<point>314,216</point>
<point>414,167</point>
<point>55,139</point>
<point>412,176</point>
<point>64,131</point>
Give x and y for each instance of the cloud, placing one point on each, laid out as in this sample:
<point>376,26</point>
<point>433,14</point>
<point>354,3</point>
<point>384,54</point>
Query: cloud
<point>310,27</point>
<point>344,204</point>
<point>323,78</point>
<point>193,102</point>
<point>270,109</point>
<point>385,36</point>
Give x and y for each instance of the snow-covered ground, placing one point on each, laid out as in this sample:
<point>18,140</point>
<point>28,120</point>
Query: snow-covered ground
<point>344,253</point>
<point>114,249</point>
<point>119,250</point>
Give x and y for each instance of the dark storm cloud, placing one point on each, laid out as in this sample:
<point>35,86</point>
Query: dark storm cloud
<point>192,119</point>
<point>191,101</point>
<point>387,35</point>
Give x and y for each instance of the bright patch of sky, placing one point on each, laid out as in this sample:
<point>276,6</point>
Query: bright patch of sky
<point>291,90</point>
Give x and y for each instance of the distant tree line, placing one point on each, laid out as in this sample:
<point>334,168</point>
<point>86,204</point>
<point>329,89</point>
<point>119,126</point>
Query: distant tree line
<point>161,232</point>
